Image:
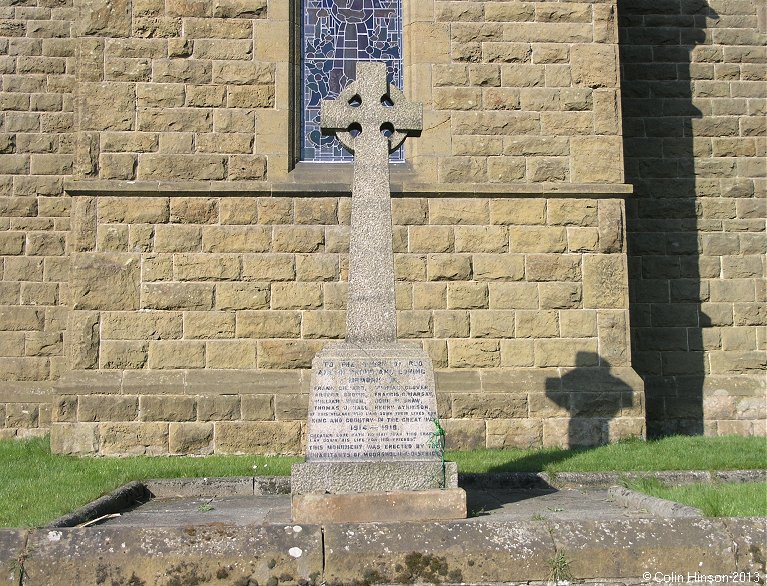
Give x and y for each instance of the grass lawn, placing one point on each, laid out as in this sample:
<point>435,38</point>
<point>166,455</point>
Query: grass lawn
<point>748,499</point>
<point>37,486</point>
<point>672,453</point>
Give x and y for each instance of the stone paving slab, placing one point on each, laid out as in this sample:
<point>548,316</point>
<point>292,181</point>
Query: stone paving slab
<point>599,548</point>
<point>237,511</point>
<point>496,505</point>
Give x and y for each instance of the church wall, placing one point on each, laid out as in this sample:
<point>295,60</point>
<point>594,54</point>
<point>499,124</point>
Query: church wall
<point>521,304</point>
<point>37,66</point>
<point>694,97</point>
<point>199,268</point>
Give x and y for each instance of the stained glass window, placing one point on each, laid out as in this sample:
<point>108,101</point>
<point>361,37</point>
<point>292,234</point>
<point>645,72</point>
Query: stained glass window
<point>336,34</point>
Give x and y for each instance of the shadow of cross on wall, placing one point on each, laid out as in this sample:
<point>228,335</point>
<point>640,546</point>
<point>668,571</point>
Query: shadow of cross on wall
<point>592,396</point>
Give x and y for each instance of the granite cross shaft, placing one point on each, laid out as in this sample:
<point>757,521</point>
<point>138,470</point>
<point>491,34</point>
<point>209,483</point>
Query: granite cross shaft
<point>371,119</point>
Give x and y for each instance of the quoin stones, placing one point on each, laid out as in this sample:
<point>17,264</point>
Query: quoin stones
<point>373,424</point>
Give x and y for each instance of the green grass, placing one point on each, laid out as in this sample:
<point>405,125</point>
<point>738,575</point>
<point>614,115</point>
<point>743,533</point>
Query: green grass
<point>37,486</point>
<point>673,453</point>
<point>748,499</point>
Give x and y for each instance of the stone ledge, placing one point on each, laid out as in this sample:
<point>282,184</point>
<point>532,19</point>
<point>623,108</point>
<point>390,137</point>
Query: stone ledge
<point>255,381</point>
<point>180,382</point>
<point>653,505</point>
<point>479,551</point>
<point>301,188</point>
<point>27,392</point>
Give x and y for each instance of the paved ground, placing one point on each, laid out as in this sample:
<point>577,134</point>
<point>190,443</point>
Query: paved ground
<point>513,537</point>
<point>495,505</point>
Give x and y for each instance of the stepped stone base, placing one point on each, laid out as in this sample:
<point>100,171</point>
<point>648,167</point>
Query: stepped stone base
<point>380,507</point>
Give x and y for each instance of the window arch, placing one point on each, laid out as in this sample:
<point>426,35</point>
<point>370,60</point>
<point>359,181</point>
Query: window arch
<point>335,35</point>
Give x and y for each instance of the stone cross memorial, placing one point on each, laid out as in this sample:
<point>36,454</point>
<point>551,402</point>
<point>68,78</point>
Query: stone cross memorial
<point>373,445</point>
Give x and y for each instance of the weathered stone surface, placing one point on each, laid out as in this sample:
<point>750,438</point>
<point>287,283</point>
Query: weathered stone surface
<point>605,283</point>
<point>130,210</point>
<point>70,555</point>
<point>749,537</point>
<point>74,438</point>
<point>134,438</point>
<point>377,477</point>
<point>105,281</point>
<point>182,167</point>
<point>473,353</point>
<point>141,326</point>
<point>107,408</point>
<point>597,159</point>
<point>657,542</point>
<point>594,65</point>
<point>258,407</point>
<point>231,296</point>
<point>230,354</point>
<point>108,18</point>
<point>218,408</point>
<point>175,296</point>
<point>190,438</point>
<point>176,354</point>
<point>525,434</point>
<point>83,339</point>
<point>372,507</point>
<point>258,437</point>
<point>500,552</point>
<point>107,106</point>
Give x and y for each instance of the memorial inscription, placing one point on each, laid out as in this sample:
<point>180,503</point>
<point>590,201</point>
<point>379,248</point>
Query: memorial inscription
<point>371,409</point>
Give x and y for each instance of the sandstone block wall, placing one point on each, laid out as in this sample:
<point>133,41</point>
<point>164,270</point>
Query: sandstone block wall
<point>515,91</point>
<point>37,64</point>
<point>201,316</point>
<point>177,90</point>
<point>168,270</point>
<point>694,102</point>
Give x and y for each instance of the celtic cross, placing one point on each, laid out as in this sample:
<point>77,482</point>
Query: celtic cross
<point>371,118</point>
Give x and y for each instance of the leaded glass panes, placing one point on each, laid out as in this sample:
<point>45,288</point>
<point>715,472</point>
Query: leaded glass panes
<point>336,34</point>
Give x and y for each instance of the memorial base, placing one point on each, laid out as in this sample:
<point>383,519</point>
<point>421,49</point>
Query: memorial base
<point>358,477</point>
<point>379,507</point>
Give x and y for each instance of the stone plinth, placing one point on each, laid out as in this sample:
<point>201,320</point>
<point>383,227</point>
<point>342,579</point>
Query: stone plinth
<point>350,477</point>
<point>380,507</point>
<point>372,423</point>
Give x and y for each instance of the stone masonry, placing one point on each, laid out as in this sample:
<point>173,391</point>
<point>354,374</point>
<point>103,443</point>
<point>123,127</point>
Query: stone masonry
<point>169,270</point>
<point>695,107</point>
